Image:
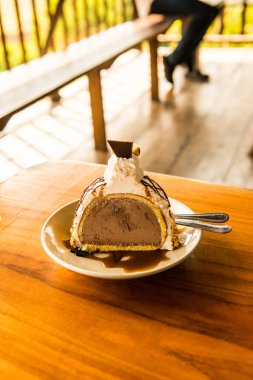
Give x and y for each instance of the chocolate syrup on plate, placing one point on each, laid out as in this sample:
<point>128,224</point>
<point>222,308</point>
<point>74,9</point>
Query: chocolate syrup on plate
<point>129,261</point>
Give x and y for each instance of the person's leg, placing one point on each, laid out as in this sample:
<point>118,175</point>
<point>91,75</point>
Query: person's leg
<point>201,16</point>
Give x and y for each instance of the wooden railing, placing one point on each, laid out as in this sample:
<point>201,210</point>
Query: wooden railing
<point>241,14</point>
<point>234,25</point>
<point>32,28</point>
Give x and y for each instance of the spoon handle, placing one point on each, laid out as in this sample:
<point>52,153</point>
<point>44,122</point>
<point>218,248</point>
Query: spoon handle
<point>218,217</point>
<point>205,226</point>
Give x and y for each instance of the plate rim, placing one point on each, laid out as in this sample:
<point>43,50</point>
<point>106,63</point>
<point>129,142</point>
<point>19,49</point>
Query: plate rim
<point>113,276</point>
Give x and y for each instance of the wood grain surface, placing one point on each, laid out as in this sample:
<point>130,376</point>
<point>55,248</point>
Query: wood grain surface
<point>191,322</point>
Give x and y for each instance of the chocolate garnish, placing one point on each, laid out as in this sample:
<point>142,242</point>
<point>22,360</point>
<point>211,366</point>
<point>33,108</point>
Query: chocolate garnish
<point>148,182</point>
<point>121,148</point>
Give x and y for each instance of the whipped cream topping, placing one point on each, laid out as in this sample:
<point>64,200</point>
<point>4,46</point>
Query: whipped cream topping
<point>123,175</point>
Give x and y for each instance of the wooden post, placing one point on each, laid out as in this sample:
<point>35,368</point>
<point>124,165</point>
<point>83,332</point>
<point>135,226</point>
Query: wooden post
<point>53,21</point>
<point>153,45</point>
<point>244,8</point>
<point>5,50</point>
<point>21,33</point>
<point>97,110</point>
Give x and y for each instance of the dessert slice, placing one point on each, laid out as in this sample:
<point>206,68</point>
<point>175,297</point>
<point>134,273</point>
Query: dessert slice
<point>124,211</point>
<point>122,222</point>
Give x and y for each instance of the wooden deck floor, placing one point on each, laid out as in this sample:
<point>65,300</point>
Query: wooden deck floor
<point>201,131</point>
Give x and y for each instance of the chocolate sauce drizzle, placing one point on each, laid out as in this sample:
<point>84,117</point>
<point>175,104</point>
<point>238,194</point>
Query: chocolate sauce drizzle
<point>148,182</point>
<point>100,181</point>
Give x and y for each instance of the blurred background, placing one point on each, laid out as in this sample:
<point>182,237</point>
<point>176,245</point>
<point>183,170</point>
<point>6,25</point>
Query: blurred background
<point>202,131</point>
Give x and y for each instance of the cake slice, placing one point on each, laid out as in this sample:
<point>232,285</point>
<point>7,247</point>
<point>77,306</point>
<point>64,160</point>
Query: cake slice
<point>124,210</point>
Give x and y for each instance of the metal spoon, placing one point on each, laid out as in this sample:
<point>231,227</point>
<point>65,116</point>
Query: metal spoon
<point>205,226</point>
<point>218,217</point>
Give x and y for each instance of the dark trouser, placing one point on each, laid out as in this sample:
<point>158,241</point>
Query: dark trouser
<point>201,16</point>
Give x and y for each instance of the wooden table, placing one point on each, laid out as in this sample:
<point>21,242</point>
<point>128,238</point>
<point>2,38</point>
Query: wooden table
<point>191,322</point>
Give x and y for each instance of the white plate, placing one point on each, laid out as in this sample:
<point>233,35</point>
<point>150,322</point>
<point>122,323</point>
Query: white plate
<point>56,230</point>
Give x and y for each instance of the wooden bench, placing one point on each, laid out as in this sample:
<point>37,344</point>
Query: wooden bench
<point>30,82</point>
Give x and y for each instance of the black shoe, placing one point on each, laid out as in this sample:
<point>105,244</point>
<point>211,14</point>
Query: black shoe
<point>168,70</point>
<point>197,76</point>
